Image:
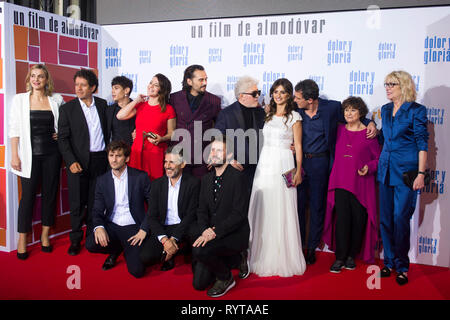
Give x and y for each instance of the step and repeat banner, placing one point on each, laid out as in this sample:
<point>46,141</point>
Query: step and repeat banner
<point>64,45</point>
<point>346,53</point>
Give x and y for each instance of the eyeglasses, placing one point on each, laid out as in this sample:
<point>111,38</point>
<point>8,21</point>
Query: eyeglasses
<point>254,94</point>
<point>390,85</point>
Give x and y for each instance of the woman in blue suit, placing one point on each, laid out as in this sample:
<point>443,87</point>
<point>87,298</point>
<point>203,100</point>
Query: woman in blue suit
<point>404,126</point>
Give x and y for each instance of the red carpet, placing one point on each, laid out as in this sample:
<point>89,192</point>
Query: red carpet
<point>44,276</point>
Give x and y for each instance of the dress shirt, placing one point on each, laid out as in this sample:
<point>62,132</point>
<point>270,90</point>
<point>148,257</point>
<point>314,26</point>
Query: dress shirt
<point>313,139</point>
<point>172,216</point>
<point>121,213</point>
<point>96,139</point>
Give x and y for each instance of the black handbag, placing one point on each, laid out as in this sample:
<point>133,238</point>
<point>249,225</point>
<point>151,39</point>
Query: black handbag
<point>410,176</point>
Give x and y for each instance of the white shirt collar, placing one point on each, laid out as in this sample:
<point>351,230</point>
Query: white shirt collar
<point>122,176</point>
<point>85,105</point>
<point>177,185</point>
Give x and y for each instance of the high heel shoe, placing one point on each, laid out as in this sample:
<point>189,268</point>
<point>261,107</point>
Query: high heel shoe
<point>22,256</point>
<point>47,249</point>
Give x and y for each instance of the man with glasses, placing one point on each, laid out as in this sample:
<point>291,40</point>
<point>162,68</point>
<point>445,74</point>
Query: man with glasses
<point>245,114</point>
<point>319,128</point>
<point>194,104</point>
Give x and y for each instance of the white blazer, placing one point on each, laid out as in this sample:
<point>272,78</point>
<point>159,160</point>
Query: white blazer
<point>19,126</point>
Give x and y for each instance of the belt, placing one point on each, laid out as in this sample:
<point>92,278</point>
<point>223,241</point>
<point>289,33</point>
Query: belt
<point>315,155</point>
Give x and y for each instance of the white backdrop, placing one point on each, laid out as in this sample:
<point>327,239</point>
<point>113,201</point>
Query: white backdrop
<point>346,53</point>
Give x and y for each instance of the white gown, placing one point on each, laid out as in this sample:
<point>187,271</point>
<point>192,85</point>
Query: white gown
<point>275,242</point>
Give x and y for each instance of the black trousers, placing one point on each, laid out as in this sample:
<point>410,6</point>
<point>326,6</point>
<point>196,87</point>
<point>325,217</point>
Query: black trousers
<point>152,248</point>
<point>81,194</point>
<point>219,256</point>
<point>118,237</point>
<point>351,219</point>
<point>45,172</point>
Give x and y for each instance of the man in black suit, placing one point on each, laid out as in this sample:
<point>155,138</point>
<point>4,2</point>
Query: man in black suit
<point>245,114</point>
<point>119,214</point>
<point>172,210</point>
<point>222,222</point>
<point>82,138</point>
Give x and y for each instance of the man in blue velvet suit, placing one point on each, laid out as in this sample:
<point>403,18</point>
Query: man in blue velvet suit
<point>319,127</point>
<point>244,114</point>
<point>119,215</point>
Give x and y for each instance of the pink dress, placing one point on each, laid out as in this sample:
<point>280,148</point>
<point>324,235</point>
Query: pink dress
<point>354,151</point>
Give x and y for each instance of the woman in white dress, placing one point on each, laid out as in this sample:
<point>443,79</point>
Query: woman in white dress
<point>275,243</point>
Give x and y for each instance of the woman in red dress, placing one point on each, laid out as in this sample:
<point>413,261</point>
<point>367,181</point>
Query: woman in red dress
<point>153,114</point>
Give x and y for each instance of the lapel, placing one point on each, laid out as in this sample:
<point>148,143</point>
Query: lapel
<point>183,187</point>
<point>239,116</point>
<point>164,197</point>
<point>78,113</point>
<point>131,178</point>
<point>201,106</point>
<point>102,116</point>
<point>209,189</point>
<point>26,111</point>
<point>55,111</point>
<point>111,189</point>
<point>186,112</point>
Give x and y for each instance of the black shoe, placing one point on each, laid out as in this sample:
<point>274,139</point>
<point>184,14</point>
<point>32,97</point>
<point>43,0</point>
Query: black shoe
<point>22,256</point>
<point>401,278</point>
<point>74,249</point>
<point>168,265</point>
<point>221,287</point>
<point>385,272</point>
<point>310,256</point>
<point>337,266</point>
<point>110,262</point>
<point>47,249</point>
<point>244,270</point>
<point>350,264</point>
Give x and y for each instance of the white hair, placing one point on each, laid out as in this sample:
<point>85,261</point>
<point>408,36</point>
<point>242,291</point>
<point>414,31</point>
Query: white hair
<point>243,84</point>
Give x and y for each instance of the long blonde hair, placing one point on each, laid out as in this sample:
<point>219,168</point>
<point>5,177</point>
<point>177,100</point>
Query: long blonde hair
<point>407,85</point>
<point>49,86</point>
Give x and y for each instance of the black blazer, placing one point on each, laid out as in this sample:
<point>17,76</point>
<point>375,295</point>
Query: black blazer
<point>187,205</point>
<point>232,118</point>
<point>138,195</point>
<point>73,131</point>
<point>230,213</point>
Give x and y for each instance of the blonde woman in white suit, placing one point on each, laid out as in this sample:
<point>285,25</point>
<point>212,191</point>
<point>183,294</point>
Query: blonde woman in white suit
<point>34,152</point>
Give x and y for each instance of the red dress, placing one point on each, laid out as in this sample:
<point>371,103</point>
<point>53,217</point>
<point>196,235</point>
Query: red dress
<point>145,155</point>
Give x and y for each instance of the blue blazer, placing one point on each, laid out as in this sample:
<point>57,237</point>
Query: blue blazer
<point>138,195</point>
<point>404,136</point>
<point>232,118</point>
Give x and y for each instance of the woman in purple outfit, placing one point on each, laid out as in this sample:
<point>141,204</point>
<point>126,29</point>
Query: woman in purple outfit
<point>351,191</point>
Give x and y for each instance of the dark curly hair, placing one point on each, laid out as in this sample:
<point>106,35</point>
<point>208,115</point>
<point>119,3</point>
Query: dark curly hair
<point>356,103</point>
<point>89,76</point>
<point>290,104</point>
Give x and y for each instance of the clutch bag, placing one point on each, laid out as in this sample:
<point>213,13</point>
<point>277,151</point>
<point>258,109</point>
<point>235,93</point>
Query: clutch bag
<point>288,177</point>
<point>410,176</point>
